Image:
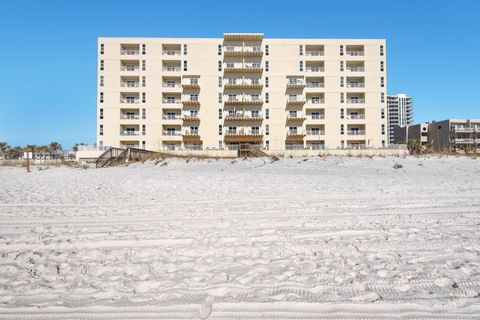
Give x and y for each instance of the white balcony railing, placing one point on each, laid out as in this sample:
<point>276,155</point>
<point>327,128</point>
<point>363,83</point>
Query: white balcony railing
<point>315,132</point>
<point>315,69</point>
<point>172,101</point>
<point>171,52</point>
<point>316,101</point>
<point>354,101</point>
<point>172,85</point>
<point>171,116</point>
<point>295,132</point>
<point>356,146</point>
<point>316,117</point>
<point>356,69</point>
<point>355,53</point>
<point>129,116</point>
<point>171,133</point>
<point>129,101</point>
<point>314,53</point>
<point>294,99</point>
<point>243,131</point>
<point>171,68</point>
<point>190,132</point>
<point>355,116</point>
<point>355,85</point>
<point>130,52</point>
<point>130,84</point>
<point>244,114</point>
<point>296,82</point>
<point>355,132</point>
<point>315,84</point>
<point>129,132</point>
<point>130,68</point>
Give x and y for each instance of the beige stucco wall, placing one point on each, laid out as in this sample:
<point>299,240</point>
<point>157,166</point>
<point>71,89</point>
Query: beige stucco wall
<point>202,59</point>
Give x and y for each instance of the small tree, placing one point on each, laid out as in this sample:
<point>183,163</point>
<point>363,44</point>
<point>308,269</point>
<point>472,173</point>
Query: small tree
<point>4,147</point>
<point>54,147</point>
<point>414,147</point>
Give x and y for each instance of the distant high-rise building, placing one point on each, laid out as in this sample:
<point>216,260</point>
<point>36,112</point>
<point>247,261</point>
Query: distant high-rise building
<point>400,112</point>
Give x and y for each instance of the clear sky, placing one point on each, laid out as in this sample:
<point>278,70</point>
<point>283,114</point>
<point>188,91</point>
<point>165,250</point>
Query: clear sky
<point>49,51</point>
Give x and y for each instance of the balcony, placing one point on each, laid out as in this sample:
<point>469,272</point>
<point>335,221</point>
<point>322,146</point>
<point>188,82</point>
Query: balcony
<point>243,116</point>
<point>172,68</point>
<point>129,49</point>
<point>129,132</point>
<point>355,116</point>
<point>190,100</point>
<point>171,133</point>
<point>315,100</point>
<point>171,84</point>
<point>171,116</point>
<point>243,84</point>
<point>356,146</point>
<point>295,83</point>
<point>242,51</point>
<point>355,85</point>
<point>130,67</point>
<point>190,116</point>
<point>129,100</point>
<point>315,132</point>
<point>314,53</point>
<point>243,100</point>
<point>129,116</point>
<point>171,52</point>
<point>171,100</point>
<point>295,133</point>
<point>354,132</point>
<point>243,67</point>
<point>190,83</point>
<point>355,50</point>
<point>465,129</point>
<point>130,84</point>
<point>295,100</point>
<point>316,116</point>
<point>355,69</point>
<point>243,36</point>
<point>295,116</point>
<point>355,100</point>
<point>315,85</point>
<point>315,69</point>
<point>243,132</point>
<point>191,132</point>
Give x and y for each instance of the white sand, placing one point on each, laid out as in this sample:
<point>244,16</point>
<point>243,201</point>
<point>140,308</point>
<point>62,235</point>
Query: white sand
<point>334,238</point>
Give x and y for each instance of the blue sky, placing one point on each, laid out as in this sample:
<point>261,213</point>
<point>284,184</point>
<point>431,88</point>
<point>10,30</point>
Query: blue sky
<point>48,51</point>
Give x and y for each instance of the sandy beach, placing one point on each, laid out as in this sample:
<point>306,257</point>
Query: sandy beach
<point>299,238</point>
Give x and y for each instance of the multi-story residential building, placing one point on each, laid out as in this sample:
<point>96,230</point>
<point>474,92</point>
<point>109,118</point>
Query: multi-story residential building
<point>400,113</point>
<point>217,93</point>
<point>452,134</point>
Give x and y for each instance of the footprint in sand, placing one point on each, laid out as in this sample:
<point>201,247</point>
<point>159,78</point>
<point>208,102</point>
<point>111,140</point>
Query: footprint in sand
<point>206,308</point>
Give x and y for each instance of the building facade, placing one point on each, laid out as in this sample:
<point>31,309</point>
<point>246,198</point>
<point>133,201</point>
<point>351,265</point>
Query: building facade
<point>400,113</point>
<point>451,134</point>
<point>217,93</point>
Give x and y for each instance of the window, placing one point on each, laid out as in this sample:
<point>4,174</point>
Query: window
<point>101,81</point>
<point>220,113</point>
<point>267,144</point>
<point>255,130</point>
<point>342,79</point>
<point>219,65</point>
<point>101,97</point>
<point>267,97</point>
<point>266,66</point>
<point>342,143</point>
<point>382,97</point>
<point>144,97</point>
<point>342,129</point>
<point>144,65</point>
<point>144,129</point>
<point>185,68</point>
<point>144,81</point>
<point>341,65</point>
<point>267,113</point>
<point>300,50</point>
<point>382,113</point>
<point>185,50</point>
<point>341,50</point>
<point>102,65</point>
<point>144,113</point>
<point>219,97</point>
<point>342,113</point>
<point>301,66</point>
<point>102,48</point>
<point>219,129</point>
<point>266,50</point>
<point>101,130</point>
<point>382,66</point>
<point>144,49</point>
<point>219,82</point>
<point>383,129</point>
<point>143,145</point>
<point>266,82</point>
<point>381,50</point>
<point>382,82</point>
<point>342,97</point>
<point>101,114</point>
<point>219,49</point>
<point>383,143</point>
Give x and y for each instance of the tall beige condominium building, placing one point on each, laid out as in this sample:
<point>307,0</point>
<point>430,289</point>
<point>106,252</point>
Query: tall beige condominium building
<point>217,93</point>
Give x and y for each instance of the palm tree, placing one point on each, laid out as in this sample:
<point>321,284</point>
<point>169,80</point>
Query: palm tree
<point>4,147</point>
<point>14,153</point>
<point>54,147</point>
<point>30,148</point>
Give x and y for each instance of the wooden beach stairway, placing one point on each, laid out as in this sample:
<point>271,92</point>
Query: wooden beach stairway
<point>115,156</point>
<point>251,150</point>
